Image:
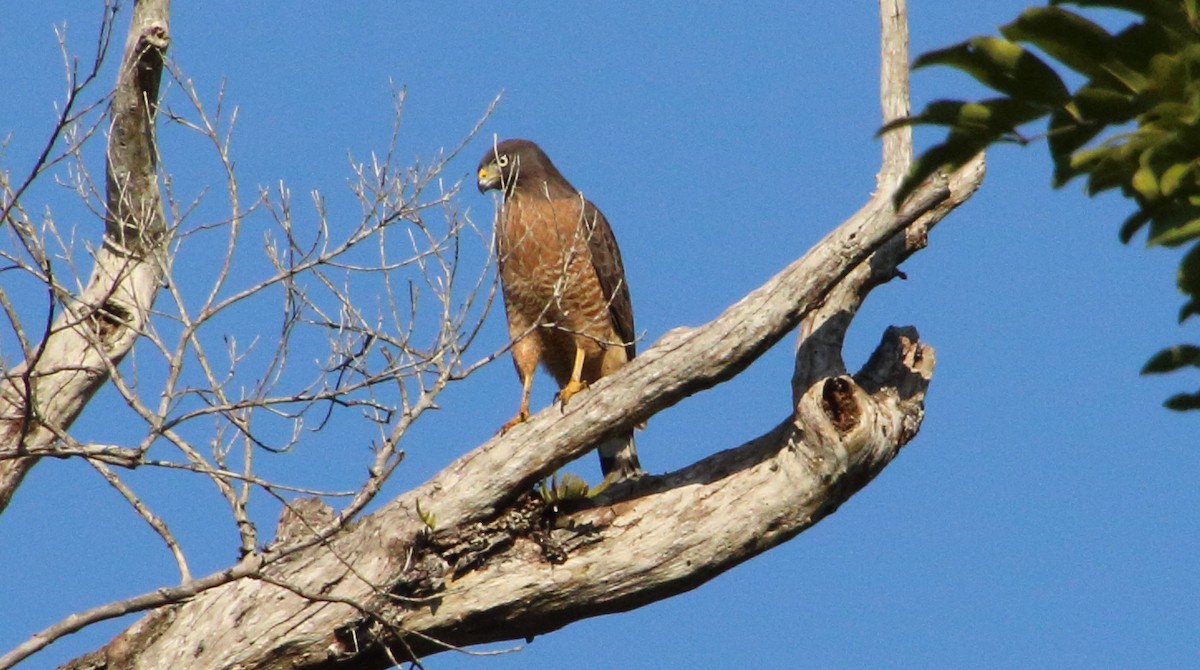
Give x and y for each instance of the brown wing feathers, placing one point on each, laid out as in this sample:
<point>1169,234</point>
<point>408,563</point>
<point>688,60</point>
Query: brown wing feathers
<point>606,259</point>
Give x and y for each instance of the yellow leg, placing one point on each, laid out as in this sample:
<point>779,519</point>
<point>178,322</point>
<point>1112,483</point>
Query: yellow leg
<point>523,412</point>
<point>576,384</point>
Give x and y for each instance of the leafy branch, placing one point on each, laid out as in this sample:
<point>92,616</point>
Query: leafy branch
<point>1133,124</point>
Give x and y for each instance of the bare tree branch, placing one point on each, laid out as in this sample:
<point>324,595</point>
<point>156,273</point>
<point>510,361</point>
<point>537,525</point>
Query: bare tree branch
<point>152,519</point>
<point>98,327</point>
<point>475,554</point>
<point>760,495</point>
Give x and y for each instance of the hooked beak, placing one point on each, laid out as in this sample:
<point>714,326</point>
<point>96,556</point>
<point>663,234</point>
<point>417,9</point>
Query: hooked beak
<point>488,178</point>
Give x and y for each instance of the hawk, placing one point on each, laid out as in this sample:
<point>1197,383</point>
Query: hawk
<point>565,293</point>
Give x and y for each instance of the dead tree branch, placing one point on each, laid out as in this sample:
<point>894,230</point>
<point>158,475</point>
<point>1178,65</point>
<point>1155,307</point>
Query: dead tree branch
<point>472,556</point>
<point>95,329</point>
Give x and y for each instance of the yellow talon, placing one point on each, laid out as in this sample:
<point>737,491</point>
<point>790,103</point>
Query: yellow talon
<point>574,386</point>
<point>576,383</point>
<point>521,417</point>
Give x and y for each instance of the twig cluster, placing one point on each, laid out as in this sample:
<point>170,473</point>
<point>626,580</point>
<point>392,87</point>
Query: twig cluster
<point>393,291</point>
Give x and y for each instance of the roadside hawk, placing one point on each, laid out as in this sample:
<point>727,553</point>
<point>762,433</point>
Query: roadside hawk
<point>565,293</point>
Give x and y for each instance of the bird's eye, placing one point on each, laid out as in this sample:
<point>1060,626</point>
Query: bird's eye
<point>502,161</point>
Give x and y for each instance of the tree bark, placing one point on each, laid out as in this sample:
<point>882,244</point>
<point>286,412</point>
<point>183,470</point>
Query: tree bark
<point>40,399</point>
<point>501,564</point>
<point>473,556</point>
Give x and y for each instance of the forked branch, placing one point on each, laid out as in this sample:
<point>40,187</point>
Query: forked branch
<point>471,556</point>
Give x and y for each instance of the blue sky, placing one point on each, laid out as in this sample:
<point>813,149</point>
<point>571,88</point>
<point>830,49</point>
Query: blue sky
<point>1043,517</point>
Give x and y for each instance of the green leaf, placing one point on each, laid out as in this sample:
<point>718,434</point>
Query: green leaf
<point>1133,49</point>
<point>428,518</point>
<point>1188,275</point>
<point>1065,136</point>
<point>1172,178</point>
<point>1108,174</point>
<point>1189,309</point>
<point>1168,11</point>
<point>995,117</point>
<point>1107,166</point>
<point>1010,114</point>
<point>1172,359</point>
<point>1004,66</point>
<point>949,155</point>
<point>1146,183</point>
<point>1170,114</point>
<point>1173,225</point>
<point>1088,159</point>
<point>570,487</point>
<point>936,113</point>
<point>1183,402</point>
<point>1134,223</point>
<point>1067,37</point>
<point>1105,105</point>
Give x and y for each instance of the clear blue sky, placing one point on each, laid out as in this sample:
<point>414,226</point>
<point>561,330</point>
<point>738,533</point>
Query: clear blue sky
<point>1045,516</point>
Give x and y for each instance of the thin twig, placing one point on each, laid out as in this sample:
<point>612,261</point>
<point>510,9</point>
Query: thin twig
<point>159,526</point>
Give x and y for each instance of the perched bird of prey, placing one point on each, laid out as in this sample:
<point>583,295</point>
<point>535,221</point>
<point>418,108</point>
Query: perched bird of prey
<point>565,293</point>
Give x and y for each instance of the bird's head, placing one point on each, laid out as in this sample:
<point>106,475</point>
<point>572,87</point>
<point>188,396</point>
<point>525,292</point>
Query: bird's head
<point>514,163</point>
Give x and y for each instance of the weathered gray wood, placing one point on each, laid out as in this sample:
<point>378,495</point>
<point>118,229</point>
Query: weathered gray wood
<point>664,535</point>
<point>500,565</point>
